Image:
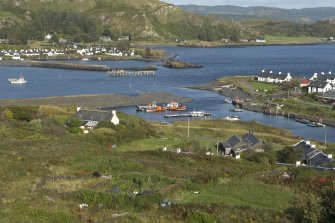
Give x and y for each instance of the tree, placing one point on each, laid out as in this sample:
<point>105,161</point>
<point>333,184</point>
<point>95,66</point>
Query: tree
<point>147,52</point>
<point>305,208</point>
<point>288,155</point>
<point>123,46</point>
<point>328,204</point>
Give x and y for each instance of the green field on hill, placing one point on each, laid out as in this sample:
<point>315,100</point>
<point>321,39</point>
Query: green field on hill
<point>49,168</point>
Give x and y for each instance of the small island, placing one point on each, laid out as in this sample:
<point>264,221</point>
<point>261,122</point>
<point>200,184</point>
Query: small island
<point>177,64</point>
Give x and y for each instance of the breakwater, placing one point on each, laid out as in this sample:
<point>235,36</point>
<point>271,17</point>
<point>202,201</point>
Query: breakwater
<point>74,66</point>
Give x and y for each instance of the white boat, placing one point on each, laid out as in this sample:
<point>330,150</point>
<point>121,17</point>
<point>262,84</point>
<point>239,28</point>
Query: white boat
<point>236,110</point>
<point>197,113</point>
<point>228,101</point>
<point>19,80</point>
<point>232,118</point>
<point>85,59</point>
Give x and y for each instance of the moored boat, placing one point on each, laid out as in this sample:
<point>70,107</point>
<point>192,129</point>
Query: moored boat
<point>302,120</point>
<point>236,110</point>
<point>228,101</point>
<point>145,107</point>
<point>156,109</point>
<point>19,80</point>
<point>175,106</point>
<point>232,118</point>
<point>315,124</point>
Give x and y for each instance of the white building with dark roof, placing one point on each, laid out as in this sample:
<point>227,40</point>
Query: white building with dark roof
<point>270,77</point>
<point>311,156</point>
<point>236,145</point>
<point>91,118</point>
<point>319,87</point>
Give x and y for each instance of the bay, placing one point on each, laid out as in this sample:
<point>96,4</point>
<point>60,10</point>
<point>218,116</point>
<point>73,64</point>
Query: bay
<point>302,60</point>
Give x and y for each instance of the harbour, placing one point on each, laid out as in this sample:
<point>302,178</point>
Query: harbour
<point>50,82</point>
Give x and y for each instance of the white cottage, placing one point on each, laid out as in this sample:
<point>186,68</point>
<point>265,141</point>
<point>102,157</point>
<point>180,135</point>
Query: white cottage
<point>274,78</point>
<point>319,87</point>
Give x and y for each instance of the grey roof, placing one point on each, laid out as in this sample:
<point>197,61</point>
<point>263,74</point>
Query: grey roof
<point>273,75</point>
<point>324,77</point>
<point>313,156</point>
<point>329,95</point>
<point>318,84</point>
<point>233,141</point>
<point>250,139</point>
<point>92,115</point>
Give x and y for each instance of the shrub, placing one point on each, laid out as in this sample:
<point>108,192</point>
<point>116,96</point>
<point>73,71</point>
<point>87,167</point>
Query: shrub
<point>200,217</point>
<point>115,201</point>
<point>24,113</point>
<point>53,127</point>
<point>147,202</point>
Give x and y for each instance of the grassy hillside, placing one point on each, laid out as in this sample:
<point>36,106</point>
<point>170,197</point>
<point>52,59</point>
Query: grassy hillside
<point>48,168</point>
<point>228,12</point>
<point>138,18</point>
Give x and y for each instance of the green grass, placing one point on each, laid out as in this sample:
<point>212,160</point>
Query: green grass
<point>28,156</point>
<point>263,86</point>
<point>291,39</point>
<point>245,191</point>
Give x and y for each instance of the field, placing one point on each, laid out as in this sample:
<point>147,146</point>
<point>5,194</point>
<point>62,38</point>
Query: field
<point>48,168</point>
<point>290,39</point>
<point>263,86</point>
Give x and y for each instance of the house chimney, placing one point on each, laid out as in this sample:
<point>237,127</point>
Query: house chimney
<point>78,108</point>
<point>308,142</point>
<point>313,146</point>
<point>330,156</point>
<point>114,112</point>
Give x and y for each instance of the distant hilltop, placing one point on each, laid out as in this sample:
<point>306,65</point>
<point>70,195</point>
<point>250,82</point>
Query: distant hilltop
<point>88,20</point>
<point>230,12</point>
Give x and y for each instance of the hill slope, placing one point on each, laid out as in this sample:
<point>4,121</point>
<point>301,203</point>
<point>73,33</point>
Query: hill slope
<point>139,18</point>
<point>305,15</point>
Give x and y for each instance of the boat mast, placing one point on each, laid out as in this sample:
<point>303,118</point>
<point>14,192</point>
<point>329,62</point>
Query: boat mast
<point>188,128</point>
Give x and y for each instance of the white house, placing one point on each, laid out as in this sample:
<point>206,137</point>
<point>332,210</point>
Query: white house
<point>319,87</point>
<point>274,78</point>
<point>327,77</point>
<point>48,37</point>
<point>16,56</point>
<point>91,118</point>
<point>260,40</point>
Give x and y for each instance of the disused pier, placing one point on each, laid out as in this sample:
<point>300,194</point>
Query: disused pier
<point>124,73</point>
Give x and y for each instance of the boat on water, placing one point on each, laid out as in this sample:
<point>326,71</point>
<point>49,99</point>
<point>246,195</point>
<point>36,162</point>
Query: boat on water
<point>232,118</point>
<point>228,101</point>
<point>20,80</point>
<point>316,124</point>
<point>175,106</point>
<point>199,114</point>
<point>145,107</point>
<point>156,109</point>
<point>302,120</point>
<point>236,110</point>
<point>85,59</point>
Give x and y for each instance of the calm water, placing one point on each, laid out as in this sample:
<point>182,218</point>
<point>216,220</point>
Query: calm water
<point>216,62</point>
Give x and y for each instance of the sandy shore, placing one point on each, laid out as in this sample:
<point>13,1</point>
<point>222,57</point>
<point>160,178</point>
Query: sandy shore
<point>98,100</point>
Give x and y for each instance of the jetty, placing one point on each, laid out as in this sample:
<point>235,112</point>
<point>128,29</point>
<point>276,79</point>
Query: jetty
<point>124,73</point>
<point>78,66</point>
<point>188,115</point>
